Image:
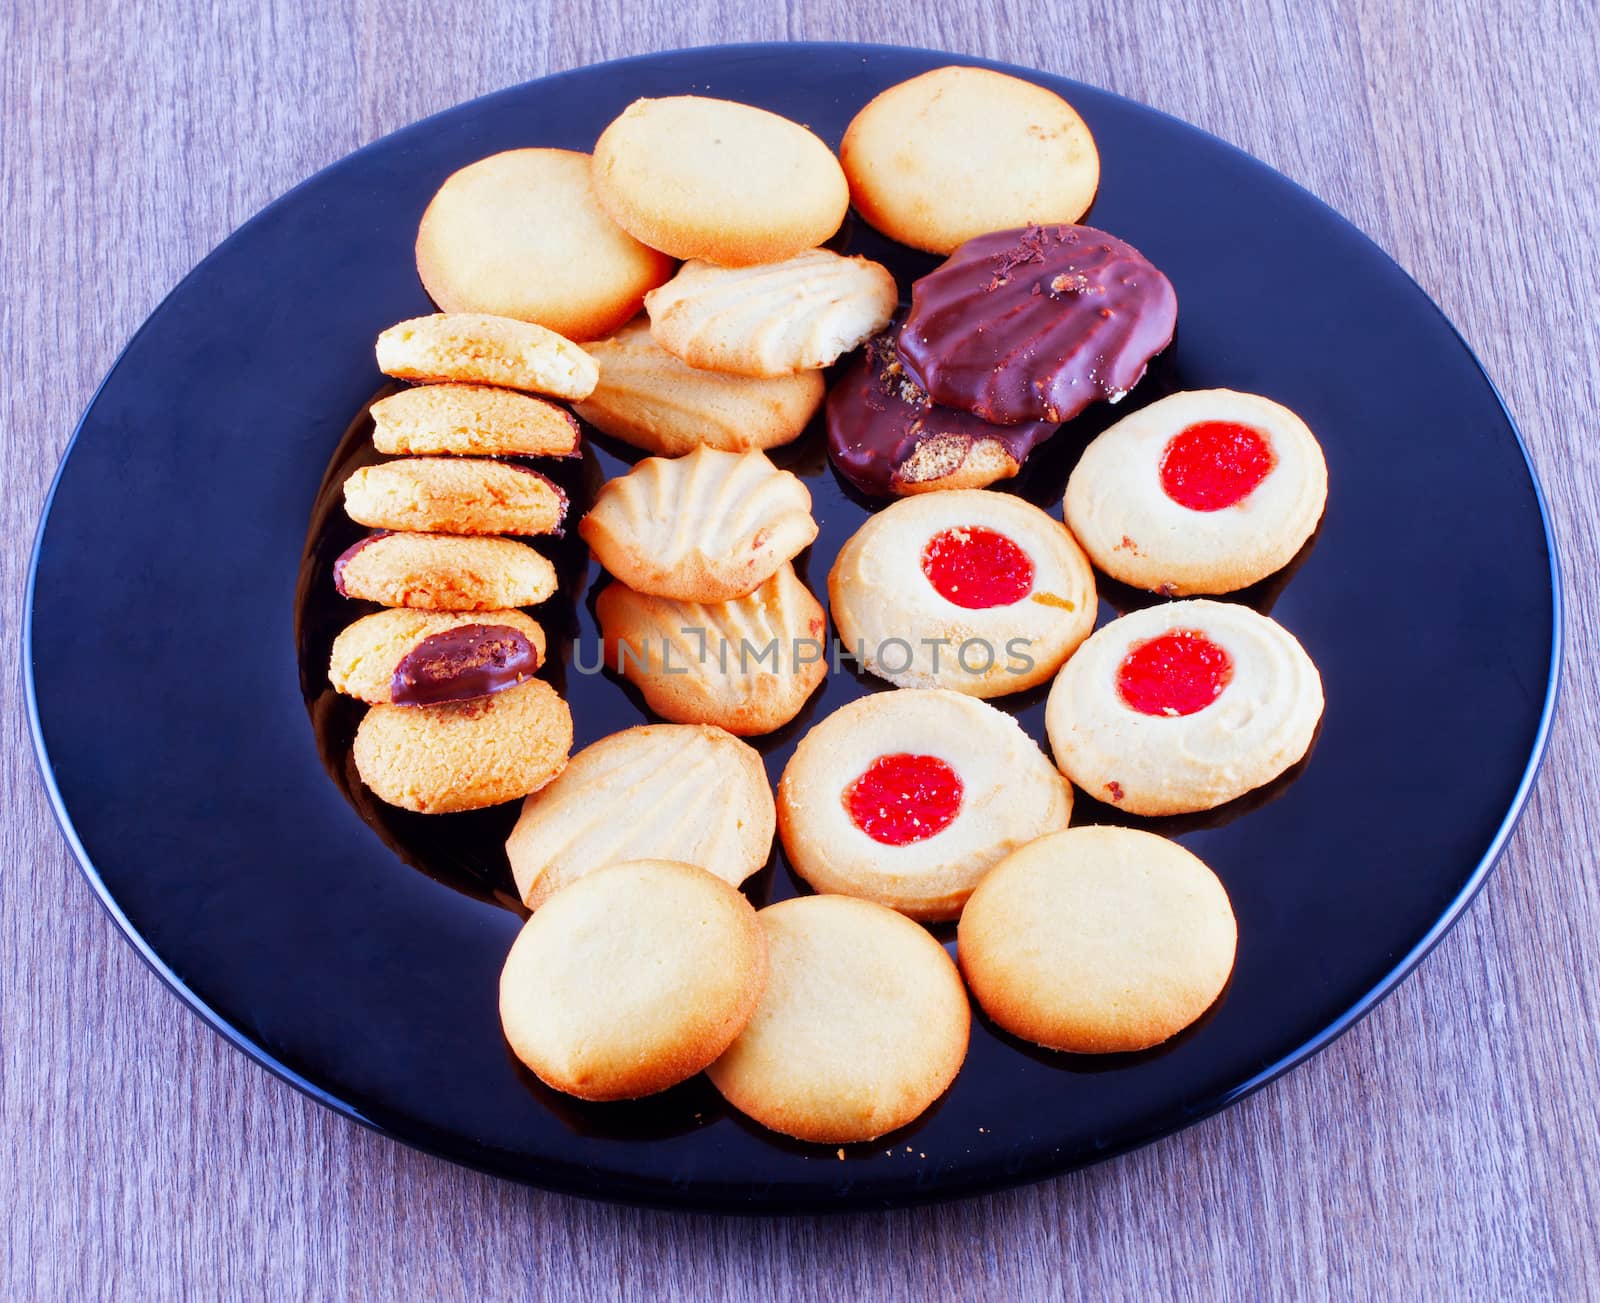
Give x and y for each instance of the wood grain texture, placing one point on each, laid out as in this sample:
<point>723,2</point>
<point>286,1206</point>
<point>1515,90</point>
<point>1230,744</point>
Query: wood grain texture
<point>1446,1147</point>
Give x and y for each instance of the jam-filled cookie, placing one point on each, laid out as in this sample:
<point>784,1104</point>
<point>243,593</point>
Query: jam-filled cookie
<point>454,495</point>
<point>971,590</point>
<point>1098,940</point>
<point>957,152</point>
<point>472,421</point>
<point>708,178</point>
<point>862,1026</point>
<point>465,755</point>
<point>652,400</point>
<point>521,234</point>
<point>707,527</point>
<point>747,665</point>
<point>1036,324</point>
<point>440,572</point>
<point>476,348</point>
<point>674,791</point>
<point>632,979</point>
<point>1183,706</point>
<point>796,315</point>
<point>908,798</point>
<point>1202,492</point>
<point>420,658</point>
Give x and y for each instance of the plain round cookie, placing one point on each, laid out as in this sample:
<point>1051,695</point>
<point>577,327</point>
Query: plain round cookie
<point>441,572</point>
<point>465,755</point>
<point>454,495</point>
<point>1098,940</point>
<point>477,348</point>
<point>632,979</point>
<point>1208,445</point>
<point>1228,725</point>
<point>472,421</point>
<point>521,234</point>
<point>1009,794</point>
<point>708,178</point>
<point>862,1026</point>
<point>958,152</point>
<point>388,649</point>
<point>886,602</point>
<point>651,399</point>
<point>671,791</point>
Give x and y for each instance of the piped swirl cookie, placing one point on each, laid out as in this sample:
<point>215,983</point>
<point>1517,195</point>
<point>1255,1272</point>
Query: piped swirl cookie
<point>1201,492</point>
<point>422,658</point>
<point>909,797</point>
<point>454,495</point>
<point>1183,706</point>
<point>769,320</point>
<point>479,349</point>
<point>975,591</point>
<point>472,421</point>
<point>440,572</point>
<point>707,527</point>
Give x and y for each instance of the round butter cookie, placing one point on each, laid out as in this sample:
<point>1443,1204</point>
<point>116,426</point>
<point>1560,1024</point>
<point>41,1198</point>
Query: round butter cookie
<point>632,979</point>
<point>476,348</point>
<point>439,572</point>
<point>796,315</point>
<point>908,798</point>
<point>707,527</point>
<point>1097,940</point>
<point>708,178</point>
<point>465,755</point>
<point>678,791</point>
<point>975,591</point>
<point>957,152</point>
<point>422,658</point>
<point>521,234</point>
<point>652,400</point>
<point>1183,706</point>
<point>454,495</point>
<point>862,1026</point>
<point>472,421</point>
<point>747,665</point>
<point>1201,492</point>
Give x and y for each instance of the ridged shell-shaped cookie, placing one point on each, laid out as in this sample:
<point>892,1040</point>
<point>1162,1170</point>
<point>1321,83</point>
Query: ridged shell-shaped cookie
<point>670,791</point>
<point>703,528</point>
<point>771,319</point>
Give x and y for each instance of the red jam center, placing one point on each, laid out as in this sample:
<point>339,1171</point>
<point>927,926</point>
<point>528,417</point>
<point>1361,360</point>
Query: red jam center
<point>976,567</point>
<point>1177,673</point>
<point>904,798</point>
<point>1214,464</point>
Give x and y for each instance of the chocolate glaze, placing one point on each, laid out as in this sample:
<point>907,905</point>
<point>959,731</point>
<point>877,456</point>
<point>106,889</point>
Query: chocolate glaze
<point>878,419</point>
<point>1036,323</point>
<point>344,557</point>
<point>473,660</point>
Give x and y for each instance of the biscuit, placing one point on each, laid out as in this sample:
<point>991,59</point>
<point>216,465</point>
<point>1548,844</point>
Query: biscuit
<point>465,755</point>
<point>746,665</point>
<point>1201,492</point>
<point>521,234</point>
<point>796,315</point>
<point>454,495</point>
<point>438,572</point>
<point>1098,940</point>
<point>708,178</point>
<point>707,527</point>
<point>862,1026</point>
<point>650,399</point>
<point>971,590</point>
<point>632,979</point>
<point>472,421</point>
<point>908,798</point>
<point>1183,706</point>
<point>678,791</point>
<point>421,658</point>
<point>958,152</point>
<point>475,348</point>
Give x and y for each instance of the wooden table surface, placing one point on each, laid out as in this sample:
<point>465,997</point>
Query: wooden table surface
<point>1446,1147</point>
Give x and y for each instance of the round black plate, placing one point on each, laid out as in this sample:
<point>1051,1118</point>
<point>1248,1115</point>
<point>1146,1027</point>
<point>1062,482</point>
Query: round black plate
<point>175,643</point>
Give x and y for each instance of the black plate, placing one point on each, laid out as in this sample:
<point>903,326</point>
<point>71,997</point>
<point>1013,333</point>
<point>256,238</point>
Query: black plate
<point>169,613</point>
